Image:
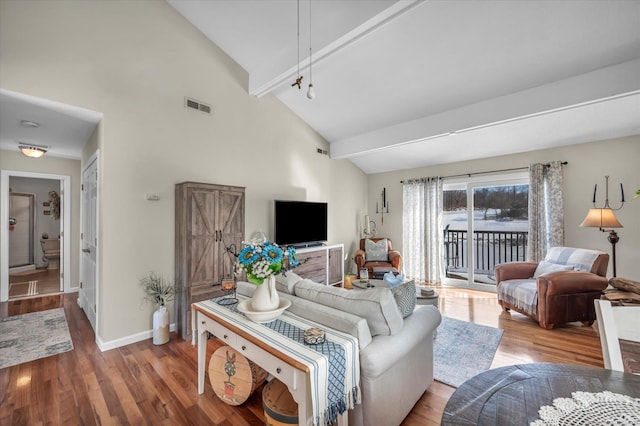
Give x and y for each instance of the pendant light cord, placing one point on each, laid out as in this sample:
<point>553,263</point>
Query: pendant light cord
<point>298,38</point>
<point>298,81</point>
<point>310,75</point>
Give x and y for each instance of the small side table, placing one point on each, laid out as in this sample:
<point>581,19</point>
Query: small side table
<point>426,299</point>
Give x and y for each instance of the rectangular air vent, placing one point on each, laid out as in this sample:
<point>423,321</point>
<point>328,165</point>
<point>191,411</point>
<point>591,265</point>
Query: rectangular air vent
<point>197,105</point>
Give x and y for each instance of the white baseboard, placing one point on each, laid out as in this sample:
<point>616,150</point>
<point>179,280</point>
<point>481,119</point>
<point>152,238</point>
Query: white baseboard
<point>24,268</point>
<point>134,338</point>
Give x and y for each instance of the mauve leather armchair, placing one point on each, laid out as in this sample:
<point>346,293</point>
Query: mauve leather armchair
<point>562,296</point>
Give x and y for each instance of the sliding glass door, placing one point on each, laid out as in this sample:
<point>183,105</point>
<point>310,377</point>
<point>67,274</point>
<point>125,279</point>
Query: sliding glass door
<point>485,223</point>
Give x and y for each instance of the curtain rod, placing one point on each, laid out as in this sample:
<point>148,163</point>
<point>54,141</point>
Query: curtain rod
<point>492,171</point>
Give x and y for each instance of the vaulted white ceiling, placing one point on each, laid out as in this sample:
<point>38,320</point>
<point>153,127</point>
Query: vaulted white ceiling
<point>404,84</point>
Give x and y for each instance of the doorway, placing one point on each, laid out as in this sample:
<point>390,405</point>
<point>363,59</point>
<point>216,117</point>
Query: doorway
<point>485,223</point>
<point>44,274</point>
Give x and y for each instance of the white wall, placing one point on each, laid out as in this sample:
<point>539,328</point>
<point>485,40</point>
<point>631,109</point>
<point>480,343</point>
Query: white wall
<point>588,165</point>
<point>135,61</point>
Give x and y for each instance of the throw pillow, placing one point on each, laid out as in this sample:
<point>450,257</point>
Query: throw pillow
<point>545,267</point>
<point>625,284</point>
<point>405,295</point>
<point>376,251</point>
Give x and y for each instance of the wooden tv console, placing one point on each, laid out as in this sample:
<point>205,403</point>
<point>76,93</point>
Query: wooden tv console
<point>322,264</point>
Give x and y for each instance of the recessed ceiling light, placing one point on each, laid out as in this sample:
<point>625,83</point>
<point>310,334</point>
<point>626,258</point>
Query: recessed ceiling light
<point>27,123</point>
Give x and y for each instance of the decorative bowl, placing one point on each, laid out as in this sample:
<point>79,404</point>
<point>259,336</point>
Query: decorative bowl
<point>263,316</point>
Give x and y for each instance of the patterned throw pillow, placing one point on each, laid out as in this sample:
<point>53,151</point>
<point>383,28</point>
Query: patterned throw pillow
<point>405,295</point>
<point>376,251</point>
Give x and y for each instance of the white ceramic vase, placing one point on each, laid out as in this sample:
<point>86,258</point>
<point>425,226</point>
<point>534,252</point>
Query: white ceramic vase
<point>265,297</point>
<point>161,326</point>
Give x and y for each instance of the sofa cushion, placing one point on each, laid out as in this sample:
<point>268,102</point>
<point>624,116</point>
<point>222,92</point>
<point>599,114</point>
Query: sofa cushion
<point>545,267</point>
<point>331,318</point>
<point>376,251</point>
<point>376,305</point>
<point>348,323</point>
<point>286,283</point>
<point>405,295</point>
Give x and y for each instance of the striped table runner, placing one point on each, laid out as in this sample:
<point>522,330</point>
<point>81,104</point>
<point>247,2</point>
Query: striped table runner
<point>334,366</point>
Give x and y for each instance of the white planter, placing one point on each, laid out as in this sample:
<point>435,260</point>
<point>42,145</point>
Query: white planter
<point>161,326</point>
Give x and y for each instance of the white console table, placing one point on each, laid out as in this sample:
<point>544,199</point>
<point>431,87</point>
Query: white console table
<point>278,364</point>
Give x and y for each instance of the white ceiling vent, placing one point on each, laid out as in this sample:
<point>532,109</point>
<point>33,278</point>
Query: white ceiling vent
<point>197,105</point>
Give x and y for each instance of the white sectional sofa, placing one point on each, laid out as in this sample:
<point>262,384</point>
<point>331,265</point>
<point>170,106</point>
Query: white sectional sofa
<point>396,352</point>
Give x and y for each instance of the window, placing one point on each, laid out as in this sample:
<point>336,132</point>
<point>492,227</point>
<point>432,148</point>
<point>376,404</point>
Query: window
<point>485,223</point>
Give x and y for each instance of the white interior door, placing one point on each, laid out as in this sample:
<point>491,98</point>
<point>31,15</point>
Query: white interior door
<point>89,242</point>
<point>63,234</point>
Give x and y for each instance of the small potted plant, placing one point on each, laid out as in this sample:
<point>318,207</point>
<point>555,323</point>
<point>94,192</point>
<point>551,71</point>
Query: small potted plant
<point>159,290</point>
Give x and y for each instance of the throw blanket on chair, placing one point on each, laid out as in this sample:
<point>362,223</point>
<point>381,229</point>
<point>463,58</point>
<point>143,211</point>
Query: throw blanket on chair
<point>523,294</point>
<point>334,366</point>
<point>581,259</point>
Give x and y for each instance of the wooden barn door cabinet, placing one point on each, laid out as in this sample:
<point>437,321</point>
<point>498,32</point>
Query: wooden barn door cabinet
<point>208,218</point>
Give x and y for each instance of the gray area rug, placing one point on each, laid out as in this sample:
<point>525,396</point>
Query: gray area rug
<point>27,337</point>
<point>463,349</point>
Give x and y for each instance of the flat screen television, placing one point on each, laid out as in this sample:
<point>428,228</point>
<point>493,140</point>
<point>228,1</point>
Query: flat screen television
<point>300,223</point>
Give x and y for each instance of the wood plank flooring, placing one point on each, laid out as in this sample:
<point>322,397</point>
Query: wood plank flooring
<point>47,282</point>
<point>143,383</point>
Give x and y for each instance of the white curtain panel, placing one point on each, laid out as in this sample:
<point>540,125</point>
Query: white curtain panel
<point>546,206</point>
<point>423,241</point>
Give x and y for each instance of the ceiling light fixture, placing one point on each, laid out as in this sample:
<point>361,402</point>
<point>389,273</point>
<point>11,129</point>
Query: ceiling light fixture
<point>32,151</point>
<point>311,93</point>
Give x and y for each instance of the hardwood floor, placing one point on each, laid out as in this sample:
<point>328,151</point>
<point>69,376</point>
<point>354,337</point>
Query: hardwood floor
<point>143,383</point>
<point>47,282</point>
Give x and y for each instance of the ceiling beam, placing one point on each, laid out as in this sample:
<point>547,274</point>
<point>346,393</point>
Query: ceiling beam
<point>596,86</point>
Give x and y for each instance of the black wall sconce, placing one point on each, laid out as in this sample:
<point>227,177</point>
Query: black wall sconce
<point>385,205</point>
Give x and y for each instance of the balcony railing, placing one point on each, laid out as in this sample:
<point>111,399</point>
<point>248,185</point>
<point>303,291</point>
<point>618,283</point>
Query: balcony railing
<point>490,248</point>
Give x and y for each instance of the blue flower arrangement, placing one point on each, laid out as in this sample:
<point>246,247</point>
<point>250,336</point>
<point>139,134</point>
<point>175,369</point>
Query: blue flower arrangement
<point>263,259</point>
